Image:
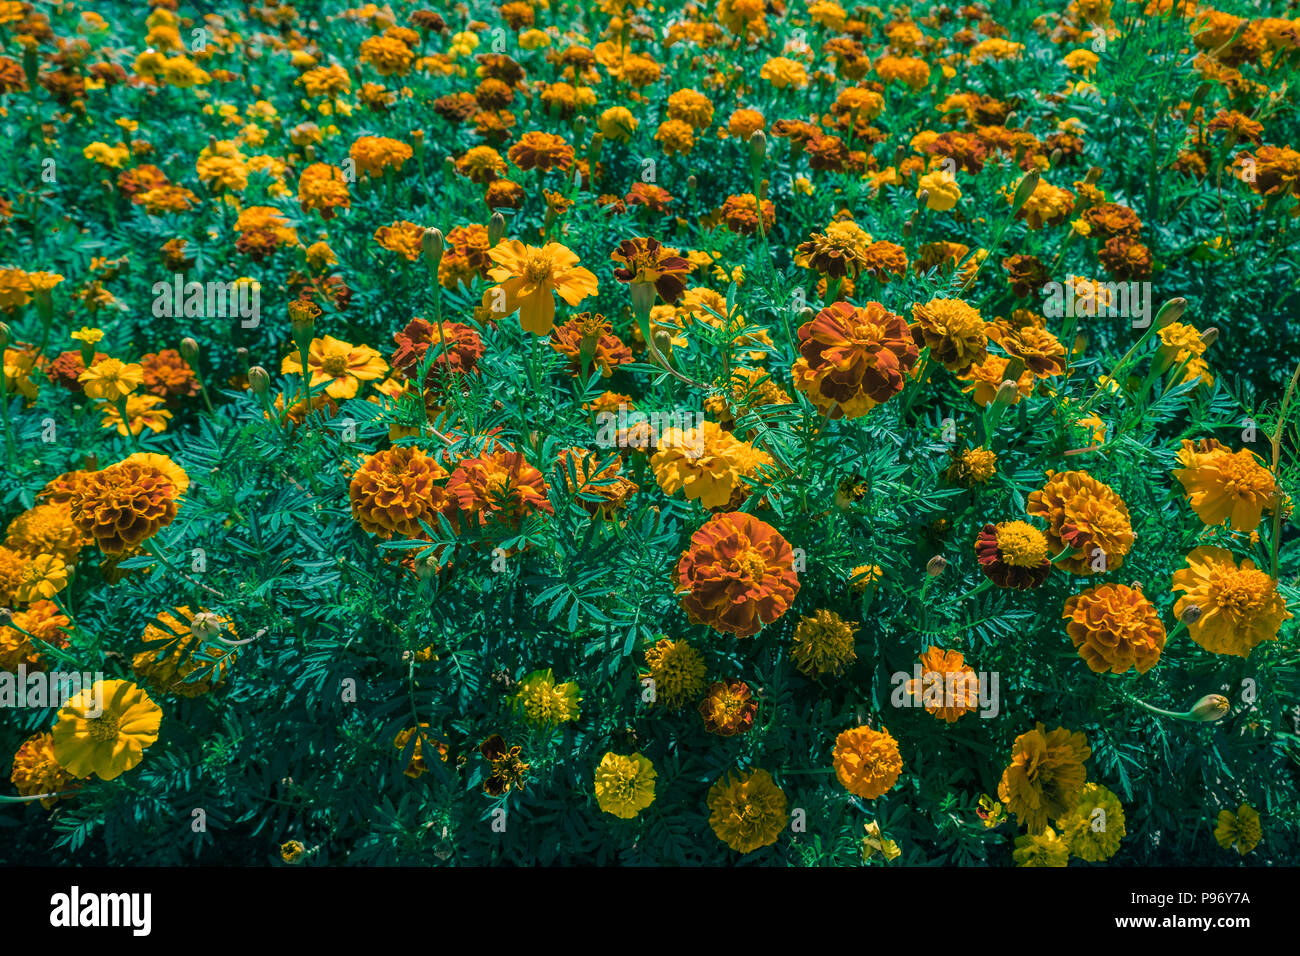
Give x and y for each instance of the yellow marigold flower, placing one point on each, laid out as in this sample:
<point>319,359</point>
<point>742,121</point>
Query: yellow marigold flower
<point>874,842</point>
<point>292,851</point>
<point>973,466</point>
<point>88,335</point>
<point>179,645</point>
<point>948,688</point>
<point>1041,849</point>
<point>678,672</point>
<point>1082,61</point>
<point>783,72</point>
<point>1094,828</point>
<point>823,644</point>
<point>864,575</point>
<point>744,123</point>
<point>624,785</point>
<point>691,107</point>
<point>375,154</point>
<point>953,330</point>
<point>1047,206</point>
<point>747,810</point>
<point>941,188</point>
<point>387,55</point>
<point>142,411</point>
<point>1086,516</point>
<point>114,157</point>
<point>1241,828</point>
<point>105,729</point>
<point>531,277</point>
<point>708,464</point>
<point>675,136</point>
<point>165,465</point>
<point>111,379</point>
<point>340,367</point>
<point>545,702</point>
<point>1239,607</point>
<point>416,766</point>
<point>403,237</point>
<point>1046,775</point>
<point>1222,485</point>
<point>617,124</point>
<point>46,529</point>
<point>11,573</point>
<point>42,621</point>
<point>1115,628</point>
<point>43,576</point>
<point>867,762</point>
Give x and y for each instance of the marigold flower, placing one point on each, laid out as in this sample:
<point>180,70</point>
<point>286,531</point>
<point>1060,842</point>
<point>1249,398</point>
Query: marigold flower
<point>740,213</point>
<point>728,708</point>
<point>645,261</point>
<point>617,124</point>
<point>737,576</point>
<point>953,331</point>
<point>1046,206</point>
<point>863,576</point>
<point>972,466</point>
<point>124,504</point>
<point>678,672</point>
<point>941,189</point>
<point>823,644</point>
<point>42,577</point>
<point>507,767</point>
<point>592,334</point>
<point>142,411</point>
<point>599,490</point>
<point>338,366</point>
<point>537,150</point>
<point>546,703</point>
<point>867,762</point>
<point>948,688</point>
<point>375,154</point>
<point>838,252</point>
<point>1222,485</point>
<point>1046,776</point>
<point>1239,606</point>
<point>167,375</point>
<point>852,359</point>
<point>747,811</point>
<point>1086,516</point>
<point>1094,828</point>
<point>111,379</point>
<point>105,729</point>
<point>324,188</point>
<point>530,279</point>
<point>624,785</point>
<point>1037,348</point>
<point>499,485</point>
<point>783,72</point>
<point>1041,849</point>
<point>1114,628</point>
<point>1013,554</point>
<point>180,645</point>
<point>416,766</point>
<point>1241,828</point>
<point>37,771</point>
<point>706,463</point>
<point>46,529</point>
<point>42,621</point>
<point>395,491</point>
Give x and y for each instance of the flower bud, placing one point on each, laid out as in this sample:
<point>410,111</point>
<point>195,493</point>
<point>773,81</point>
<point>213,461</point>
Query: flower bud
<point>258,380</point>
<point>431,243</point>
<point>1209,336</point>
<point>757,149</point>
<point>1006,393</point>
<point>593,150</point>
<point>496,228</point>
<point>936,566</point>
<point>1210,708</point>
<point>1026,189</point>
<point>189,350</point>
<point>1171,312</point>
<point>241,353</point>
<point>691,183</point>
<point>205,625</point>
<point>663,341</point>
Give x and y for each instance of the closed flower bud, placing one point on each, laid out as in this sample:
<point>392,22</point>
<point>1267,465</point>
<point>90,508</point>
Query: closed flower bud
<point>757,149</point>
<point>1171,312</point>
<point>496,228</point>
<point>1210,708</point>
<point>431,243</point>
<point>1006,393</point>
<point>691,183</point>
<point>593,150</point>
<point>1026,189</point>
<point>936,565</point>
<point>1094,174</point>
<point>258,380</point>
<point>189,350</point>
<point>1209,336</point>
<point>241,353</point>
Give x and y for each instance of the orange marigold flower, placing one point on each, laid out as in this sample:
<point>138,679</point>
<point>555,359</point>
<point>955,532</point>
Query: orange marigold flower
<point>395,490</point>
<point>953,331</point>
<point>323,187</point>
<point>1037,348</point>
<point>375,154</point>
<point>125,504</point>
<point>500,485</point>
<point>599,490</point>
<point>536,150</point>
<point>1222,485</point>
<point>1086,516</point>
<point>37,771</point>
<point>948,687</point>
<point>1115,628</point>
<point>402,237</point>
<point>728,708</point>
<point>740,213</point>
<point>852,359</point>
<point>590,333</point>
<point>168,375</point>
<point>867,762</point>
<point>43,621</point>
<point>737,576</point>
<point>1046,775</point>
<point>645,261</point>
<point>1239,606</point>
